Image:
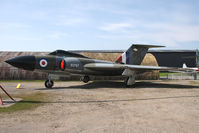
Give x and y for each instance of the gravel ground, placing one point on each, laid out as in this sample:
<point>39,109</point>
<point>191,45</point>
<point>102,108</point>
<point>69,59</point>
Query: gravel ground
<point>150,107</point>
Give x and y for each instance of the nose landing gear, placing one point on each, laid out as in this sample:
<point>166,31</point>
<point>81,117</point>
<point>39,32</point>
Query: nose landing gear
<point>49,83</point>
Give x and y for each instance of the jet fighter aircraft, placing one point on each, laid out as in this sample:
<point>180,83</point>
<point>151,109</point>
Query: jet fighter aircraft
<point>62,62</point>
<point>196,69</point>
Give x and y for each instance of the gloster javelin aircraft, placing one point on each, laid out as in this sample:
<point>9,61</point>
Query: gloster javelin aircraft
<point>62,62</point>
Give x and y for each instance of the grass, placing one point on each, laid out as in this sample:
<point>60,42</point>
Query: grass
<point>163,74</point>
<point>194,82</point>
<point>29,101</point>
<point>166,73</point>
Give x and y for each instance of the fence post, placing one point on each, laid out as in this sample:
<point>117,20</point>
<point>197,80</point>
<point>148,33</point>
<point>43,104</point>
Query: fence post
<point>195,76</point>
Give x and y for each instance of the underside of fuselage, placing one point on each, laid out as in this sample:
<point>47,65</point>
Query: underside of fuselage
<point>67,72</point>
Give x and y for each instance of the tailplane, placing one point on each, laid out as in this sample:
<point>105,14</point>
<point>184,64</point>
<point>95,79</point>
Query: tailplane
<point>135,54</point>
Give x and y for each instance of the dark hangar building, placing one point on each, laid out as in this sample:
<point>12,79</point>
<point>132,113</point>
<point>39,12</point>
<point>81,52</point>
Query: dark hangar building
<point>175,58</point>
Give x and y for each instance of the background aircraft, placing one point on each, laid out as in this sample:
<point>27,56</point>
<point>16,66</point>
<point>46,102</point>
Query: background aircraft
<point>62,62</point>
<point>196,69</point>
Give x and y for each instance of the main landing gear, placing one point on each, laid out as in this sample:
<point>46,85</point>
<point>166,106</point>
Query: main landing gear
<point>130,77</point>
<point>49,83</point>
<point>85,79</point>
<point>129,81</point>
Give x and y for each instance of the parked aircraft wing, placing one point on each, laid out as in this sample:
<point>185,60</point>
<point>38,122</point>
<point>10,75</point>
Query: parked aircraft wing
<point>104,66</point>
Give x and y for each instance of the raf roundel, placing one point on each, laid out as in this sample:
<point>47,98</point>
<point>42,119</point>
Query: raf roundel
<point>43,63</point>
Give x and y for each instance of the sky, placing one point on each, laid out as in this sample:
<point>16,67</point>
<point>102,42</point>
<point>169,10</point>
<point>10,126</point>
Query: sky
<point>48,25</point>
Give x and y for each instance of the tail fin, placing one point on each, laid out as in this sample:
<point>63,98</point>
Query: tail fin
<point>135,54</point>
<point>184,66</point>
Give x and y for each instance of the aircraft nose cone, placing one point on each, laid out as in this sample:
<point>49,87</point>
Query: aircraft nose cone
<point>25,62</point>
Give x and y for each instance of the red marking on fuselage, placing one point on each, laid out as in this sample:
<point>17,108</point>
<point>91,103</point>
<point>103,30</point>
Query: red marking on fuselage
<point>62,65</point>
<point>119,60</point>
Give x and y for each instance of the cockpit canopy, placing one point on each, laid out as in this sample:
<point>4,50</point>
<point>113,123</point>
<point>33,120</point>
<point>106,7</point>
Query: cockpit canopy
<point>66,54</point>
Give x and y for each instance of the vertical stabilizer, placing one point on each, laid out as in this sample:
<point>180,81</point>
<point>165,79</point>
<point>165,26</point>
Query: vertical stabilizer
<point>135,54</point>
<point>184,65</point>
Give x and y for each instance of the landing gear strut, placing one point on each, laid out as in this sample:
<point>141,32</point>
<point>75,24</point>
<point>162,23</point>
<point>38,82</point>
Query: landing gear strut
<point>49,83</point>
<point>85,79</point>
<point>130,79</point>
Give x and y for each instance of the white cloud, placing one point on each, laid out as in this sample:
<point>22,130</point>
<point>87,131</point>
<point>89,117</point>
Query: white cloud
<point>116,26</point>
<point>4,25</point>
<point>169,34</point>
<point>58,35</point>
<point>19,38</point>
<point>172,34</point>
<point>115,21</point>
<point>70,22</point>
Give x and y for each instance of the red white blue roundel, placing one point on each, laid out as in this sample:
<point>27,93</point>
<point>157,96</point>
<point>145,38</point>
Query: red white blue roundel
<point>43,63</point>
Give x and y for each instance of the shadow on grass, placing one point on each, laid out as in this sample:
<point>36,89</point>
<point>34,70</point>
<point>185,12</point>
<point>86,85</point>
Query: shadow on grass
<point>116,84</point>
<point>20,105</point>
<point>92,85</point>
<point>22,101</point>
<point>111,100</point>
<point>164,85</point>
<point>29,101</point>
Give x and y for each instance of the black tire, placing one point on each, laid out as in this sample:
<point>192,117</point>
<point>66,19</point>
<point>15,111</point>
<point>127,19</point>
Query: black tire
<point>85,79</point>
<point>49,83</point>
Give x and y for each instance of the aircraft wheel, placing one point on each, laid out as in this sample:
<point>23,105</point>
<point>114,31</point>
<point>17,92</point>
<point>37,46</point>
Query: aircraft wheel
<point>85,79</point>
<point>49,83</point>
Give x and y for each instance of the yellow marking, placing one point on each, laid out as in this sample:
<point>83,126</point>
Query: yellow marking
<point>19,86</point>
